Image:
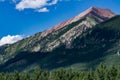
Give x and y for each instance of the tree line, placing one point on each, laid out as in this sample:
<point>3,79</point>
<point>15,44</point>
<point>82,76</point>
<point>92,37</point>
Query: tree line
<point>100,73</point>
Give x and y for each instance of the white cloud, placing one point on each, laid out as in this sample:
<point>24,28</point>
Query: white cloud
<point>53,2</point>
<point>10,39</point>
<point>38,5</point>
<point>42,10</point>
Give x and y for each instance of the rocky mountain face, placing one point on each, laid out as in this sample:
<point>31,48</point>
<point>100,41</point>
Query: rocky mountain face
<point>58,45</point>
<point>98,13</point>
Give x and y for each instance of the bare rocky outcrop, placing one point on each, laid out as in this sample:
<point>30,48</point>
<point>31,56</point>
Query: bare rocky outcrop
<point>99,13</point>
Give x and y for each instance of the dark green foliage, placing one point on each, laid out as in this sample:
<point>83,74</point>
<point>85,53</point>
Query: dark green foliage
<point>101,73</point>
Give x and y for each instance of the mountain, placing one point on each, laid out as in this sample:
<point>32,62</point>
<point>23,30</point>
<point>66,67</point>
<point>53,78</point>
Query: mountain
<point>75,43</point>
<point>99,14</point>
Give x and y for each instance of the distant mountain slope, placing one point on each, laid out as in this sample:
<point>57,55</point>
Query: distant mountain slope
<point>98,13</point>
<point>75,42</point>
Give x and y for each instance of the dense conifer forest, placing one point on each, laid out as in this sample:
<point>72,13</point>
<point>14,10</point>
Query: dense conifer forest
<point>100,73</point>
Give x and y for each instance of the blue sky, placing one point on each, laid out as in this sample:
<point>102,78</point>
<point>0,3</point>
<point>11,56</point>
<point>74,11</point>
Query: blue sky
<point>19,19</point>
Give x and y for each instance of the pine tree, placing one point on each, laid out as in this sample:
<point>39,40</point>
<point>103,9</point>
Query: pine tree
<point>89,75</point>
<point>100,72</point>
<point>44,76</point>
<point>25,76</point>
<point>16,76</point>
<point>37,73</point>
<point>118,73</point>
<point>112,73</point>
<point>1,76</point>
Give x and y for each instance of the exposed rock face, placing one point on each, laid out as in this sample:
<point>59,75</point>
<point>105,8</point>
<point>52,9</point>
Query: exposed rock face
<point>103,14</point>
<point>93,16</point>
<point>71,34</point>
<point>99,13</point>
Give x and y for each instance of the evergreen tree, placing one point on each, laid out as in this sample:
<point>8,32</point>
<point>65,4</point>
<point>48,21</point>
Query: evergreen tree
<point>112,73</point>
<point>118,73</point>
<point>37,73</point>
<point>89,75</point>
<point>100,73</point>
<point>25,76</point>
<point>44,76</point>
<point>1,76</point>
<point>16,75</point>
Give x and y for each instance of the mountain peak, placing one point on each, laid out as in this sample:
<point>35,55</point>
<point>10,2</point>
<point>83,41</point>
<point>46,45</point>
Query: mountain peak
<point>97,8</point>
<point>100,13</point>
<point>93,7</point>
<point>103,13</point>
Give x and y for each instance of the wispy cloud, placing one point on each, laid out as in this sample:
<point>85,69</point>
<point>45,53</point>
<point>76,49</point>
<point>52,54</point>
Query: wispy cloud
<point>42,10</point>
<point>10,39</point>
<point>37,5</point>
